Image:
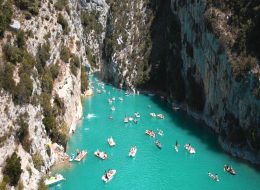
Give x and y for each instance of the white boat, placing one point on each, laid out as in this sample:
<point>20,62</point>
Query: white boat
<point>161,116</point>
<point>98,91</point>
<point>160,132</point>
<point>81,155</point>
<point>101,155</point>
<point>126,120</point>
<point>152,114</point>
<point>132,151</point>
<point>137,114</point>
<point>151,133</point>
<point>190,149</point>
<point>110,101</point>
<point>54,179</point>
<point>131,118</point>
<point>111,142</point>
<point>212,176</point>
<point>108,176</point>
<point>113,108</point>
<point>176,148</point>
<point>113,98</point>
<point>120,99</point>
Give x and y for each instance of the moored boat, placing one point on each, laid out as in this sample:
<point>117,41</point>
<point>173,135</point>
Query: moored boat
<point>151,133</point>
<point>108,176</point>
<point>131,118</point>
<point>137,114</point>
<point>126,120</point>
<point>212,176</point>
<point>54,179</point>
<point>152,114</point>
<point>229,169</point>
<point>101,154</point>
<point>113,108</point>
<point>190,149</point>
<point>80,155</point>
<point>132,151</point>
<point>111,142</point>
<point>158,144</point>
<point>161,116</point>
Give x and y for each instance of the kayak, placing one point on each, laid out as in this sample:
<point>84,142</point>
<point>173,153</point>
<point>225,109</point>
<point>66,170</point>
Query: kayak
<point>111,142</point>
<point>176,148</point>
<point>108,176</point>
<point>229,170</point>
<point>158,144</point>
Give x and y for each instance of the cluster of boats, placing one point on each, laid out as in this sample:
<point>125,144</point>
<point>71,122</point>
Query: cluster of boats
<point>130,118</point>
<point>160,116</point>
<point>190,149</point>
<point>227,168</point>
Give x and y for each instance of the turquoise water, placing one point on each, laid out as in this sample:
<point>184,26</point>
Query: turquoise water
<point>151,168</point>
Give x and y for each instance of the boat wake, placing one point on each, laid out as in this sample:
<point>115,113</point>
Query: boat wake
<point>90,115</point>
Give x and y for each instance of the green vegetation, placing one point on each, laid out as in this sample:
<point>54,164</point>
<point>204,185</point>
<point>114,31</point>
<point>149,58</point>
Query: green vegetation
<point>6,78</point>
<point>12,53</point>
<point>65,54</point>
<point>6,13</point>
<point>47,81</point>
<point>37,161</point>
<point>54,69</point>
<point>23,90</point>
<point>90,21</point>
<point>20,41</point>
<point>42,56</point>
<point>60,4</point>
<point>41,185</point>
<point>64,23</point>
<point>12,170</point>
<point>84,80</point>
<point>74,64</point>
<point>23,132</point>
<point>91,58</point>
<point>31,6</point>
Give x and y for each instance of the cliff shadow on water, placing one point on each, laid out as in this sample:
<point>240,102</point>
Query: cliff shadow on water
<point>197,129</point>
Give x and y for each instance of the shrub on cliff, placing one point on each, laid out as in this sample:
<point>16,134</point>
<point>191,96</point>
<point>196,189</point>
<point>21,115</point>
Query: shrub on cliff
<point>12,53</point>
<point>6,13</point>
<point>65,54</point>
<point>23,132</point>
<point>37,161</point>
<point>6,78</point>
<point>60,4</point>
<point>12,169</point>
<point>74,64</point>
<point>63,22</point>
<point>42,56</point>
<point>54,69</point>
<point>84,80</point>
<point>29,5</point>
<point>47,81</point>
<point>20,41</point>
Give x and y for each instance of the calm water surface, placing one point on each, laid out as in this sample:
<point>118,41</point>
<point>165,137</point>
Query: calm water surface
<point>151,168</point>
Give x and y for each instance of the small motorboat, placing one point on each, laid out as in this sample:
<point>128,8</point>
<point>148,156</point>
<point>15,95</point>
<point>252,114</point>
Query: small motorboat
<point>132,151</point>
<point>131,118</point>
<point>212,176</point>
<point>72,157</point>
<point>161,116</point>
<point>98,91</point>
<point>158,144</point>
<point>113,108</point>
<point>151,133</point>
<point>160,132</point>
<point>229,169</point>
<point>152,114</point>
<point>137,115</point>
<point>176,148</point>
<point>101,154</point>
<point>135,121</point>
<point>111,142</point>
<point>108,176</point>
<point>80,155</point>
<point>126,120</point>
<point>190,149</point>
<point>120,99</point>
<point>113,98</point>
<point>110,101</point>
<point>54,179</point>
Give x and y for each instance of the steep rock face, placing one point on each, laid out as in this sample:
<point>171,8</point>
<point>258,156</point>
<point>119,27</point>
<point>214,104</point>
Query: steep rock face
<point>226,105</point>
<point>43,29</point>
<point>127,43</point>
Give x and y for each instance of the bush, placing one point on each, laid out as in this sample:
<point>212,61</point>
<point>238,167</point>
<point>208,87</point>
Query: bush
<point>54,69</point>
<point>65,54</point>
<point>41,185</point>
<point>20,41</point>
<point>84,80</point>
<point>42,56</point>
<point>12,169</point>
<point>90,21</point>
<point>60,104</point>
<point>6,78</point>
<point>63,22</point>
<point>6,13</point>
<point>37,161</point>
<point>46,104</point>
<point>28,63</point>
<point>60,4</point>
<point>23,132</point>
<point>47,81</point>
<point>23,90</point>
<point>28,5</point>
<point>12,53</point>
<point>74,64</point>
